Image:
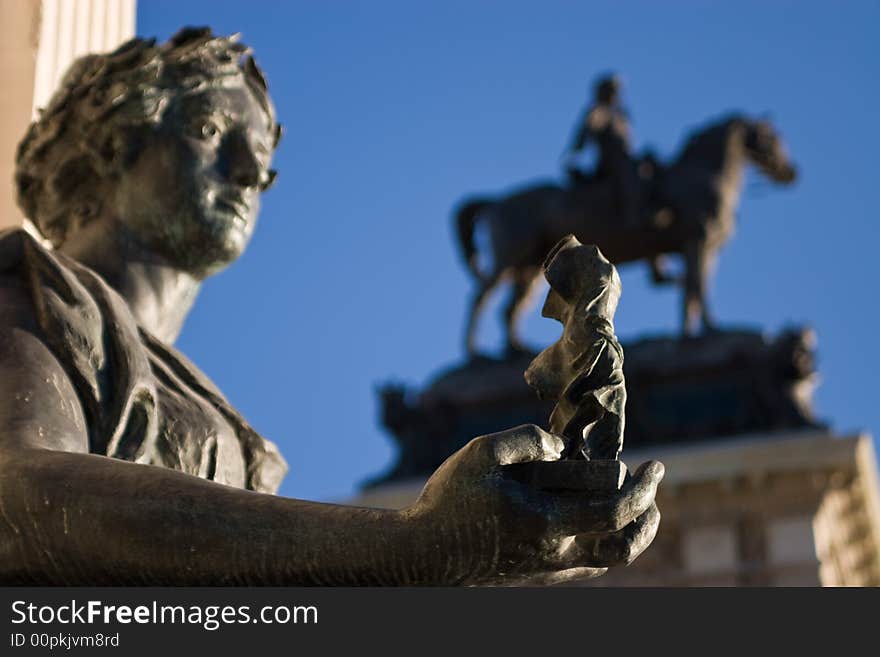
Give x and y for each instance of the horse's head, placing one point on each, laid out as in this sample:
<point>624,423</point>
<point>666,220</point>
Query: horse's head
<point>764,147</point>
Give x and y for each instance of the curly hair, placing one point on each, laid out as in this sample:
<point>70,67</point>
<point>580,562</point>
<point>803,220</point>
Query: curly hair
<point>79,139</point>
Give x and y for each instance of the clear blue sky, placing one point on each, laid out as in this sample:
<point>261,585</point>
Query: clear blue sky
<point>396,110</point>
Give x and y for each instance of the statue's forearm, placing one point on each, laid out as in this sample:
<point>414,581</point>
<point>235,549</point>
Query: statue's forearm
<point>581,136</point>
<point>84,519</point>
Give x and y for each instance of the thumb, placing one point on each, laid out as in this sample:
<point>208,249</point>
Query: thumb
<point>523,444</point>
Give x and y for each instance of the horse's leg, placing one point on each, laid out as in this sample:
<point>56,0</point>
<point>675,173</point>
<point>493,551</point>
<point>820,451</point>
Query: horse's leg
<point>706,267</point>
<point>693,285</point>
<point>699,257</point>
<point>477,303</point>
<point>524,285</point>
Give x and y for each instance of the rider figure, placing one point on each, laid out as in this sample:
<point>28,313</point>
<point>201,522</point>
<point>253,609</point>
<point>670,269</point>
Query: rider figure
<point>607,125</point>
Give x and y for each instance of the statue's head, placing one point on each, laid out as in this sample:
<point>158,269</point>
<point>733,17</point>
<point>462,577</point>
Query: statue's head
<point>607,89</point>
<point>171,142</point>
<point>583,283</point>
<point>765,148</point>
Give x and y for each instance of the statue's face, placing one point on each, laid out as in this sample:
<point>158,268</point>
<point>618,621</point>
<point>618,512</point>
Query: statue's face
<point>192,191</point>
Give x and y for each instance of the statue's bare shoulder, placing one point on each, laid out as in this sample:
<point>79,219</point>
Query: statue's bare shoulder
<point>38,403</point>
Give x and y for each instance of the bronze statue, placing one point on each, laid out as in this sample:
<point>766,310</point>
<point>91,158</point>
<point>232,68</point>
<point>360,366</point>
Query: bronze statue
<point>691,212</point>
<point>583,373</point>
<point>144,173</point>
<point>583,370</point>
<point>606,125</point>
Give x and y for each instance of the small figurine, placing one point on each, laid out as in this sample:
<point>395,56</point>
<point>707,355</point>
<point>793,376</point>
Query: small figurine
<point>583,370</point>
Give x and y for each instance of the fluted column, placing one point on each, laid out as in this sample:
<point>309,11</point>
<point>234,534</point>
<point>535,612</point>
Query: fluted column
<point>38,41</point>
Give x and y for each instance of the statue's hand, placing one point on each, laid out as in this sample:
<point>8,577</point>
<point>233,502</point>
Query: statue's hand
<point>490,528</point>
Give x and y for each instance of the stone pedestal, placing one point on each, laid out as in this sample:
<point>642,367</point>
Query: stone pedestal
<point>678,390</point>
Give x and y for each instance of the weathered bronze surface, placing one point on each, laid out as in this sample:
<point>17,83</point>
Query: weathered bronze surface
<point>686,207</point>
<point>583,369</point>
<point>144,173</point>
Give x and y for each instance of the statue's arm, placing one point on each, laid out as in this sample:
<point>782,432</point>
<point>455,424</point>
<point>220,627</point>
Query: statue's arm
<point>581,133</point>
<point>67,516</point>
<point>84,519</point>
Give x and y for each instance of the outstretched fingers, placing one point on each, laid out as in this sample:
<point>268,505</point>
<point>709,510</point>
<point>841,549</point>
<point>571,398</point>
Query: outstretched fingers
<point>615,549</point>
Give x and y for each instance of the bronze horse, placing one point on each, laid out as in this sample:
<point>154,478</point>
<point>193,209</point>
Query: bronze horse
<point>688,208</point>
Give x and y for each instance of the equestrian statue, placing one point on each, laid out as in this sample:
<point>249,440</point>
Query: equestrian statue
<point>632,209</point>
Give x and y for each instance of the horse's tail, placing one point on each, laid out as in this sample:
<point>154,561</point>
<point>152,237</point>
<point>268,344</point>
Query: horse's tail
<point>465,223</point>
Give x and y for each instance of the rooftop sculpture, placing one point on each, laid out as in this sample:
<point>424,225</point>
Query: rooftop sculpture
<point>686,207</point>
<point>144,174</point>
